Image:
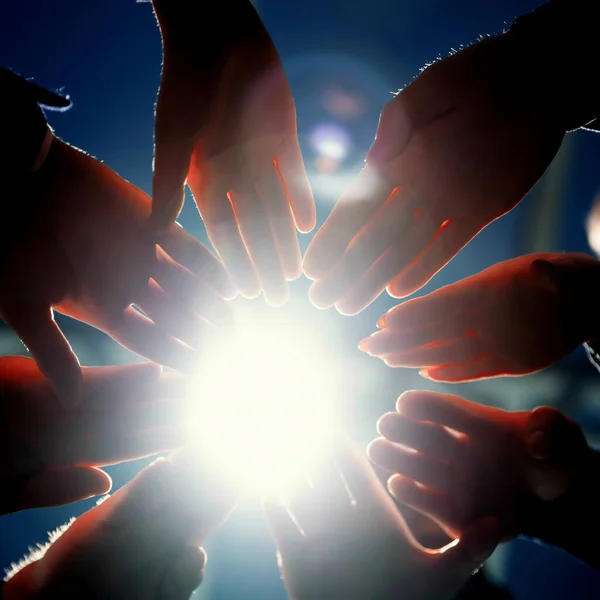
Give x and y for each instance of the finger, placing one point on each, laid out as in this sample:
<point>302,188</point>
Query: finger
<point>171,317</point>
<point>184,575</point>
<point>328,484</point>
<point>430,471</point>
<point>395,259</point>
<point>141,335</point>
<point>330,497</point>
<point>52,352</point>
<point>53,487</point>
<point>173,147</point>
<point>444,409</point>
<point>389,341</point>
<point>259,240</point>
<point>222,228</point>
<point>370,243</point>
<point>445,303</point>
<point>274,199</point>
<point>461,350</point>
<point>424,437</point>
<point>482,367</point>
<point>183,286</point>
<point>194,256</point>
<point>109,388</point>
<point>431,503</point>
<point>290,167</point>
<point>305,508</point>
<point>285,532</point>
<point>361,481</point>
<point>113,450</point>
<point>132,419</point>
<point>457,563</point>
<point>448,241</point>
<point>352,212</point>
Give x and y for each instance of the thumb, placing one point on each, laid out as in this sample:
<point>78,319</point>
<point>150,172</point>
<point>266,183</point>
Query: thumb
<point>52,352</point>
<point>463,558</point>
<point>184,575</point>
<point>394,131</point>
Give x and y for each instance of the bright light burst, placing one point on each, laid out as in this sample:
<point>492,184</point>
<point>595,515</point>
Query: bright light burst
<point>263,401</point>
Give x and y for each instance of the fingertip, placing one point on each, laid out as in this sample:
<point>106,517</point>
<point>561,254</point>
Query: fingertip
<point>316,299</point>
<point>104,482</point>
<point>363,345</point>
<point>375,447</point>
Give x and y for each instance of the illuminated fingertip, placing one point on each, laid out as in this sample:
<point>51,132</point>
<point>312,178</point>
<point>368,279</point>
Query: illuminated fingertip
<point>381,323</point>
<point>364,345</point>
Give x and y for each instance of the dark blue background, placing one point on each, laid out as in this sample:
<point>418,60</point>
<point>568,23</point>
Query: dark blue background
<point>106,55</point>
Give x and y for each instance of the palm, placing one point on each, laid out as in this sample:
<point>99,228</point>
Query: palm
<point>89,252</point>
<point>456,149</point>
<point>50,455</point>
<point>226,122</point>
<point>513,318</point>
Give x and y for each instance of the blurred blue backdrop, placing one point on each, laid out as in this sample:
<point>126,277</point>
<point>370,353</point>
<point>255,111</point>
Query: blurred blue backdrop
<point>343,60</point>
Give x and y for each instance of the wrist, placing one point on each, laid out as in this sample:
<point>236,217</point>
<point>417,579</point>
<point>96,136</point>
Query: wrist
<point>570,522</point>
<point>554,47</point>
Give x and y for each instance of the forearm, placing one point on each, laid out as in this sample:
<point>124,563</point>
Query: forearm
<point>558,48</point>
<point>573,521</point>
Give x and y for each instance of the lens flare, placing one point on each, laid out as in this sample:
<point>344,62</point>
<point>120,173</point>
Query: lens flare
<point>262,402</point>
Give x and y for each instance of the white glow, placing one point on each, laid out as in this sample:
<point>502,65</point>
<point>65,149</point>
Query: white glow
<point>331,140</point>
<point>263,401</point>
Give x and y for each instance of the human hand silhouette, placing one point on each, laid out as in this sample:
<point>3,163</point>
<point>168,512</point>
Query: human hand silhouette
<point>514,318</point>
<point>493,463</point>
<point>142,542</point>
<point>337,546</point>
<point>226,123</point>
<point>85,248</point>
<point>49,455</point>
<point>457,148</point>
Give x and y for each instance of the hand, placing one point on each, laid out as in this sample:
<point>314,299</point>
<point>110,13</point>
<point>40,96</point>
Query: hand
<point>87,250</point>
<point>143,542</point>
<point>361,548</point>
<point>514,318</point>
<point>494,463</point>
<point>456,149</point>
<point>49,456</point>
<point>226,121</point>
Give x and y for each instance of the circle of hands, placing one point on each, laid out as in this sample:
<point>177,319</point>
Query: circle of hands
<point>451,155</point>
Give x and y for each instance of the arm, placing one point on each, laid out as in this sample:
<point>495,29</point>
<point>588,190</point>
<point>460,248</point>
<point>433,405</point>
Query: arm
<point>571,521</point>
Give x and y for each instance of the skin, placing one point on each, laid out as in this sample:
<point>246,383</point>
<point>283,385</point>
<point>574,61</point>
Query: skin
<point>514,318</point>
<point>473,461</point>
<point>50,456</point>
<point>236,146</point>
<point>88,251</point>
<point>333,547</point>
<point>456,149</point>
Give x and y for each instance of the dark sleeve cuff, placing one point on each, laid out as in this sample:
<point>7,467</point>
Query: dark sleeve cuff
<point>557,44</point>
<point>593,351</point>
<point>23,123</point>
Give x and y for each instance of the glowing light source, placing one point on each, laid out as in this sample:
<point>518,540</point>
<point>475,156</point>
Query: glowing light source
<point>262,403</point>
<point>331,141</point>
